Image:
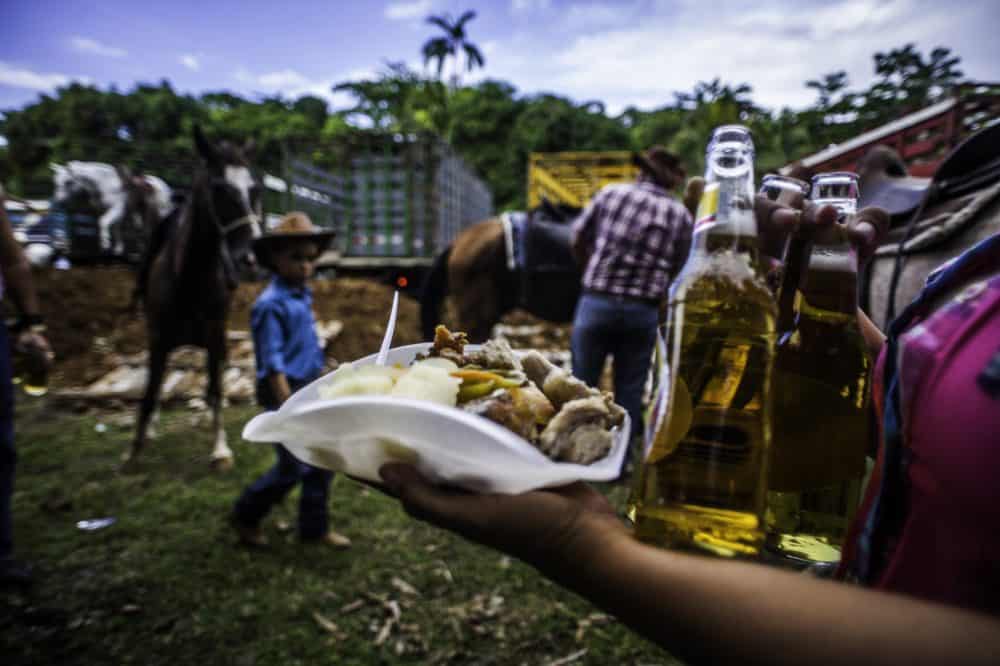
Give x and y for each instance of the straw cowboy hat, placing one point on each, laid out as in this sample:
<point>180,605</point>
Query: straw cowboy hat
<point>293,226</point>
<point>661,165</point>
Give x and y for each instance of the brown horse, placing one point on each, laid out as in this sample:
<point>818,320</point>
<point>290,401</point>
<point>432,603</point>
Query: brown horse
<point>192,274</point>
<point>484,286</point>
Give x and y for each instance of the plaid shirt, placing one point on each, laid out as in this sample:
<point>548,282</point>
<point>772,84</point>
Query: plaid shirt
<point>637,237</point>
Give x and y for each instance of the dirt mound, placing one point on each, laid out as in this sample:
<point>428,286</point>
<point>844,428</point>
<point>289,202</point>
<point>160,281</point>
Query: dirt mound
<point>90,328</point>
<point>92,332</point>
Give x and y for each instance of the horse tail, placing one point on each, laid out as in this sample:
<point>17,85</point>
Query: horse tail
<point>432,296</point>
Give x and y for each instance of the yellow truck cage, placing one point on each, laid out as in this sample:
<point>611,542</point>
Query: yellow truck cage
<point>574,177</point>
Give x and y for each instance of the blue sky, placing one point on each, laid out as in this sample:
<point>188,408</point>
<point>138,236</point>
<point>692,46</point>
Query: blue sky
<point>628,52</point>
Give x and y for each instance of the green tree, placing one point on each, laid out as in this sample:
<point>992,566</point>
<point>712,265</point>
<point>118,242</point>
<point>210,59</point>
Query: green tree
<point>908,82</point>
<point>452,45</point>
<point>398,100</point>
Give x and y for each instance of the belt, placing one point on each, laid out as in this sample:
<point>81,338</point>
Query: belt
<point>624,298</point>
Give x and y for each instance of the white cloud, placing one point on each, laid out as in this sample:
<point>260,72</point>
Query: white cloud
<point>528,5</point>
<point>88,45</point>
<point>292,83</point>
<point>190,61</point>
<point>402,11</point>
<point>589,15</point>
<point>638,53</point>
<point>17,77</point>
<point>284,79</point>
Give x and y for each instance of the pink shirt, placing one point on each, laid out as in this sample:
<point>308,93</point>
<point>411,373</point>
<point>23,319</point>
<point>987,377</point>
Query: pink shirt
<point>941,539</point>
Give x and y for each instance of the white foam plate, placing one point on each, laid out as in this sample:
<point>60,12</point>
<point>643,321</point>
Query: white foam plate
<point>357,435</point>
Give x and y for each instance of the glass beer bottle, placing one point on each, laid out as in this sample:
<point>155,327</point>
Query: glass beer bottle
<point>702,483</point>
<point>789,192</point>
<point>821,393</point>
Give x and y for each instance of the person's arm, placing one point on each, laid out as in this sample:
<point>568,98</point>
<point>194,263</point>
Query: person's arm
<point>701,609</point>
<point>682,246</point>
<point>874,338</point>
<point>16,269</point>
<point>269,340</point>
<point>280,389</point>
<point>18,284</point>
<point>583,232</point>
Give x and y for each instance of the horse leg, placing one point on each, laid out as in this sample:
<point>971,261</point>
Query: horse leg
<point>222,456</point>
<point>154,424</point>
<point>106,222</point>
<point>154,380</point>
<point>478,307</point>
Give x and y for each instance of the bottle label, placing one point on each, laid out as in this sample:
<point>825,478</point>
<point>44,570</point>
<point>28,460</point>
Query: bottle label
<point>708,206</point>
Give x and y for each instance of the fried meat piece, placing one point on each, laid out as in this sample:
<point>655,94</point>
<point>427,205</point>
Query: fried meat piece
<point>494,355</point>
<point>579,432</point>
<point>449,345</point>
<point>500,407</point>
<point>558,385</point>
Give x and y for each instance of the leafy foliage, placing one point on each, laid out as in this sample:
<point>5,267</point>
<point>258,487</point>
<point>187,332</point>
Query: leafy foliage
<point>452,44</point>
<point>491,124</point>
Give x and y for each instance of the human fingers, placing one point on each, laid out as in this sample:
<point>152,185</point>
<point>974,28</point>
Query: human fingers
<point>538,526</point>
<point>867,229</point>
<point>430,503</point>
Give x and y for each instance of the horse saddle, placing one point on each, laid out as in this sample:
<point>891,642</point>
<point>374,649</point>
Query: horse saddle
<point>971,166</point>
<point>537,245</point>
<point>538,251</point>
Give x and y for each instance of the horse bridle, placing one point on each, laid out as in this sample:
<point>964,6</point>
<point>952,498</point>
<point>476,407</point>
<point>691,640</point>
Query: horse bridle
<point>251,218</point>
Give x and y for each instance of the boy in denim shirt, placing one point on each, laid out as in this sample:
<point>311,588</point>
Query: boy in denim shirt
<point>288,357</point>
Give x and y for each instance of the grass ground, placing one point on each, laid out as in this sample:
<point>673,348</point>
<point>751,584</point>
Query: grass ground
<point>167,584</point>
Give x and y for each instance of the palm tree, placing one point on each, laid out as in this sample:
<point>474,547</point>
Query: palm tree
<point>452,44</point>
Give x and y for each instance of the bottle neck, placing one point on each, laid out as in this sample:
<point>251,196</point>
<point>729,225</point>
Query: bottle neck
<point>831,281</point>
<point>819,282</point>
<point>725,220</point>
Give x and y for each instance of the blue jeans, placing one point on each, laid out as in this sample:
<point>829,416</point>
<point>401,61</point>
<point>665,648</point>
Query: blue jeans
<point>8,456</point>
<point>260,496</point>
<point>624,329</point>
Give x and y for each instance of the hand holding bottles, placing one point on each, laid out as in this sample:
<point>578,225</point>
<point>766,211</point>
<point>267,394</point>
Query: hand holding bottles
<point>546,528</point>
<point>865,230</point>
<point>32,357</point>
<point>777,219</point>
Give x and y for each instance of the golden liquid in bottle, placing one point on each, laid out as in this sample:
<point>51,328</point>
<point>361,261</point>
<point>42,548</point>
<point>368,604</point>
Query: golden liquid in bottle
<point>703,481</point>
<point>30,371</point>
<point>821,424</point>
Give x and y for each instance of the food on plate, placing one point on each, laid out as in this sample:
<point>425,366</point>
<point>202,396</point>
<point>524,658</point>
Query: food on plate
<point>424,380</point>
<point>564,418</point>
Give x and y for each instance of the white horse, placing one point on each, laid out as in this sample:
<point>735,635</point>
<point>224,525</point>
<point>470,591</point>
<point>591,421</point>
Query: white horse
<point>104,186</point>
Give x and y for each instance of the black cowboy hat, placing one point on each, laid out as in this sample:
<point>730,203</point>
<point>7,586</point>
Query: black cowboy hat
<point>972,164</point>
<point>661,165</point>
<point>295,226</point>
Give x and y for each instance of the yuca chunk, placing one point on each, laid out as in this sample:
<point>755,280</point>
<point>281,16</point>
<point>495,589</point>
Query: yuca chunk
<point>359,380</point>
<point>426,382</point>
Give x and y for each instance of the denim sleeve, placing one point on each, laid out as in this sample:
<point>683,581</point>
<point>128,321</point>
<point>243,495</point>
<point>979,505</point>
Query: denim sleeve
<point>268,338</point>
